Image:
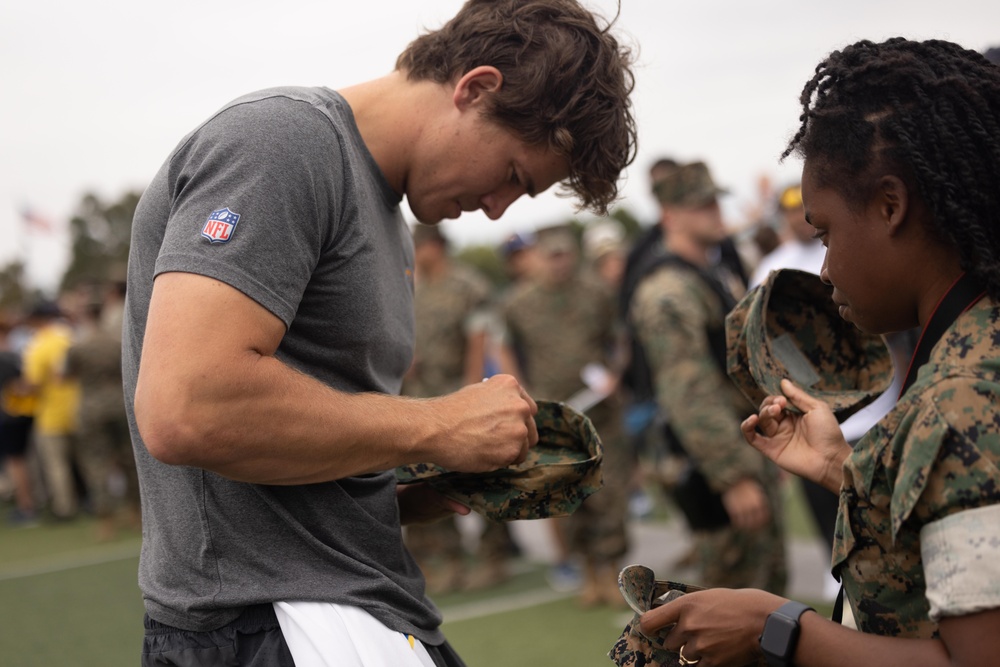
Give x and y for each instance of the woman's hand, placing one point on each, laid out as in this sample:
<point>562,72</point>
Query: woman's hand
<point>718,627</point>
<point>810,445</point>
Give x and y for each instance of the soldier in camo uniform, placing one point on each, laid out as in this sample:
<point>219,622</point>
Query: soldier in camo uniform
<point>562,322</point>
<point>103,442</point>
<point>901,148</point>
<point>677,312</point>
<point>452,304</point>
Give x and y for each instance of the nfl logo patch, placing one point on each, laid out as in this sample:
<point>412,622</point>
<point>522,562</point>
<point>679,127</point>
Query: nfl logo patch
<point>220,225</point>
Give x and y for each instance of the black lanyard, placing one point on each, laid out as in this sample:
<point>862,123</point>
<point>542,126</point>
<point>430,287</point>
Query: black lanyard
<point>962,295</point>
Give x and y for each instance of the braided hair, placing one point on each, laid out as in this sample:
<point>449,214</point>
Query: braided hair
<point>928,112</point>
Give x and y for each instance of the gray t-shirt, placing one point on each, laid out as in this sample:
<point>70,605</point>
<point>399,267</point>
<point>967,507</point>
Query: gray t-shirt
<point>278,196</point>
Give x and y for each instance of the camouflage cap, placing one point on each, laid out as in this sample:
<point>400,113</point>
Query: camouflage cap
<point>643,591</point>
<point>559,472</point>
<point>789,327</point>
<point>686,185</point>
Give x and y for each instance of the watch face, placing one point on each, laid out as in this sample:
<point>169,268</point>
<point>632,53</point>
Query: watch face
<point>778,639</point>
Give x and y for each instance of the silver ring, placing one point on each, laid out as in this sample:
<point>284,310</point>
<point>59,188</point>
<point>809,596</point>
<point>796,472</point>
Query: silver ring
<point>686,661</point>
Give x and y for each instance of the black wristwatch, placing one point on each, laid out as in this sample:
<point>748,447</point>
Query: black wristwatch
<point>781,633</point>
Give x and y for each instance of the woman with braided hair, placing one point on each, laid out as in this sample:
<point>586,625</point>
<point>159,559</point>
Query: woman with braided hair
<point>901,181</point>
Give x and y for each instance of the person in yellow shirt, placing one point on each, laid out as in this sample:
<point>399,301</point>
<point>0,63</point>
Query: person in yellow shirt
<point>17,410</point>
<point>58,403</point>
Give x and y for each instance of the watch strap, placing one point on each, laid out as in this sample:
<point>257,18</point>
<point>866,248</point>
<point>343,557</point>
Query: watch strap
<point>791,611</point>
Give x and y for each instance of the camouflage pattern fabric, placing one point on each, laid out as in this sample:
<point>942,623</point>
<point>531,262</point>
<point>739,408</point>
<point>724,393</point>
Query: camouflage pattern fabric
<point>103,440</point>
<point>559,331</point>
<point>597,527</point>
<point>936,454</point>
<point>560,471</point>
<point>445,316</point>
<point>687,185</point>
<point>672,311</point>
<point>446,309</point>
<point>642,591</point>
<point>789,327</point>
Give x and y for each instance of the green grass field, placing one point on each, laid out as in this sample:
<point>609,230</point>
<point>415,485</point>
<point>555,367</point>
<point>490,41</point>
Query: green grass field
<point>68,601</point>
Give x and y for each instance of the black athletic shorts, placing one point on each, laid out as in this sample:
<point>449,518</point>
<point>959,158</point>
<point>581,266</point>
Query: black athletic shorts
<point>15,434</point>
<point>254,639</point>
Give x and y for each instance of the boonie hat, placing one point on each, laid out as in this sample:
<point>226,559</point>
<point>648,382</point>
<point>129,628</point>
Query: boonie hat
<point>789,327</point>
<point>559,472</point>
<point>686,185</point>
<point>643,591</point>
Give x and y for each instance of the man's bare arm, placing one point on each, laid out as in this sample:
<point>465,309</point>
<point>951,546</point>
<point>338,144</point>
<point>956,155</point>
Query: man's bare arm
<point>238,411</point>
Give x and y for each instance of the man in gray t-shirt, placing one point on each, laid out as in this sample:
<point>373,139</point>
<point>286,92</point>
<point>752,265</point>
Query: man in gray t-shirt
<point>269,322</point>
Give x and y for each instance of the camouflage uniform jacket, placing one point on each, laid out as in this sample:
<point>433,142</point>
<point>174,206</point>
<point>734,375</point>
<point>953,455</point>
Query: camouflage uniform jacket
<point>96,362</point>
<point>935,455</point>
<point>447,310</point>
<point>671,311</point>
<point>559,331</point>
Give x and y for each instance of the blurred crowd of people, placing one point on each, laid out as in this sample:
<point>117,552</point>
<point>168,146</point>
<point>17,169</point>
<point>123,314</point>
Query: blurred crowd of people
<point>626,328</point>
<point>630,330</point>
<point>64,441</point>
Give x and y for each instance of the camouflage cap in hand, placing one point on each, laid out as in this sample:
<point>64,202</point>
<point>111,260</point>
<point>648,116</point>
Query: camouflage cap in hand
<point>789,327</point>
<point>559,472</point>
<point>643,591</point>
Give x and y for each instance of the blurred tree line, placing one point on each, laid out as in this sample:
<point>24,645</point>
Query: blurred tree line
<point>100,231</point>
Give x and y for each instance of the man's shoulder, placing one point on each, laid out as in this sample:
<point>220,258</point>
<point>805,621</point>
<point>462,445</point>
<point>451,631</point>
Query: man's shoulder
<point>312,95</point>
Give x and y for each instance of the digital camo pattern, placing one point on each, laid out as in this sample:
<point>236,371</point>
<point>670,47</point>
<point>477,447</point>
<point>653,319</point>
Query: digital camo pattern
<point>961,556</point>
<point>446,309</point>
<point>686,185</point>
<point>672,311</point>
<point>558,331</point>
<point>560,471</point>
<point>642,591</point>
<point>789,327</point>
<point>936,454</point>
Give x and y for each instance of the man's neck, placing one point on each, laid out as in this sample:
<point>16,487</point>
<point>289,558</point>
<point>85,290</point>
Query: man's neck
<point>383,109</point>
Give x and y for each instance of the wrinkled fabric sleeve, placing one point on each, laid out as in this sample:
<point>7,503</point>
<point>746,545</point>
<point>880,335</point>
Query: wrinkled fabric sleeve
<point>961,555</point>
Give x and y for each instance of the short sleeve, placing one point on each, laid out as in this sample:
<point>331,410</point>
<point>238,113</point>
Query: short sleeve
<point>253,200</point>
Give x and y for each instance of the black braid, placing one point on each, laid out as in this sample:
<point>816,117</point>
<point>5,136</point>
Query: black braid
<point>927,111</point>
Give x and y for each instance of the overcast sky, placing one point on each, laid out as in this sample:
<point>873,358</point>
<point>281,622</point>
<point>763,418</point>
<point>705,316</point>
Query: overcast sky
<point>97,92</point>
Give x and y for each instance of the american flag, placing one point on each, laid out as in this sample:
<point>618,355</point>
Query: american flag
<point>36,221</point>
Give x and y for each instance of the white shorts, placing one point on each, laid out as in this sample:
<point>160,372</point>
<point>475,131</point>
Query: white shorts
<point>322,634</point>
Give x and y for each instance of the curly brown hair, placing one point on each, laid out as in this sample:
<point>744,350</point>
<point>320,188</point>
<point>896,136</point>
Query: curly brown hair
<point>567,83</point>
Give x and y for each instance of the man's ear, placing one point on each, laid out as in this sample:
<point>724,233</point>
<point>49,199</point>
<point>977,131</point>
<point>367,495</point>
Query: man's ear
<point>476,85</point>
<point>892,199</point>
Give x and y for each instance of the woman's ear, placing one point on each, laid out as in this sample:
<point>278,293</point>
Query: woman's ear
<point>892,202</point>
